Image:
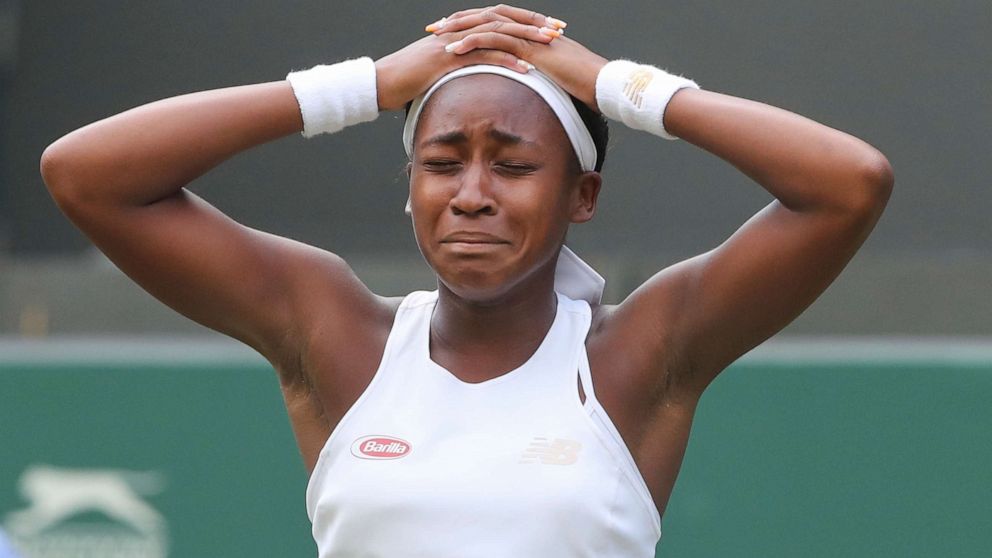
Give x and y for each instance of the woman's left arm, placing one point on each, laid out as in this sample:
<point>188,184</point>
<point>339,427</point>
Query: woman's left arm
<point>830,189</point>
<point>696,317</point>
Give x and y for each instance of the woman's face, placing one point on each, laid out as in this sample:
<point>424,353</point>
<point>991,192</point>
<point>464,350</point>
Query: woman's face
<point>494,184</point>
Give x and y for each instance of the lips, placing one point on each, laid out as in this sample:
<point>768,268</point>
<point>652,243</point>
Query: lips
<point>472,237</point>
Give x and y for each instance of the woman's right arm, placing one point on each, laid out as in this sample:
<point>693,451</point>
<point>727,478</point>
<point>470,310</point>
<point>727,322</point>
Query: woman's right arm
<point>121,181</point>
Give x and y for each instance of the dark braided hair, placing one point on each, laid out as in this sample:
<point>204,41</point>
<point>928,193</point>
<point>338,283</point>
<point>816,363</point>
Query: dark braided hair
<point>598,128</point>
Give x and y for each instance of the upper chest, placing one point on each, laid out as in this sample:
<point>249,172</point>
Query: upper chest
<point>623,384</point>
<point>629,390</point>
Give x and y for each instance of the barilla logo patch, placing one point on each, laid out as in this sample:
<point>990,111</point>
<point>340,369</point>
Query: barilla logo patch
<point>380,447</point>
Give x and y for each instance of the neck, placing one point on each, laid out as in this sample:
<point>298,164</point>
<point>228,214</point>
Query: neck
<point>509,325</point>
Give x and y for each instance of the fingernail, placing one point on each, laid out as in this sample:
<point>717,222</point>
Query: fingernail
<point>553,33</point>
<point>525,65</point>
<point>450,47</point>
<point>555,22</point>
<point>437,25</point>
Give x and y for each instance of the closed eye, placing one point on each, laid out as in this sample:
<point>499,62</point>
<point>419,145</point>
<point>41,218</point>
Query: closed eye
<point>516,168</point>
<point>440,165</point>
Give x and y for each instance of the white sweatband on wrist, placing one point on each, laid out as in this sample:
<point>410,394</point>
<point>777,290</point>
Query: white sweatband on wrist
<point>637,94</point>
<point>335,96</point>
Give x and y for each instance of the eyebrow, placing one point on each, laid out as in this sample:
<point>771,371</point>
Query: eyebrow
<point>456,137</point>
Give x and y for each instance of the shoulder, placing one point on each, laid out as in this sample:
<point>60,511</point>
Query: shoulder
<point>638,361</point>
<point>360,322</point>
<point>340,325</point>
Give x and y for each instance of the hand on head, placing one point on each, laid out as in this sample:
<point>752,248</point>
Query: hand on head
<point>500,35</point>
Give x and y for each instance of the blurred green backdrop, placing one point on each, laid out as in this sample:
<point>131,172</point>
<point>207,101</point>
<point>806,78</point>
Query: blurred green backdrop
<point>839,449</point>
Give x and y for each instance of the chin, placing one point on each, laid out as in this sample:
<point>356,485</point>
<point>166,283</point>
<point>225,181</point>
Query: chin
<point>474,285</point>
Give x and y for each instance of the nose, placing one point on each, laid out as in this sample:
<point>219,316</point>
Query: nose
<point>474,195</point>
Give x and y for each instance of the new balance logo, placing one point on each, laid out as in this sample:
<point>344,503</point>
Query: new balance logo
<point>637,82</point>
<point>555,452</point>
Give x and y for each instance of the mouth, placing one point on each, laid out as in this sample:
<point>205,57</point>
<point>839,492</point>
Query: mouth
<point>472,238</point>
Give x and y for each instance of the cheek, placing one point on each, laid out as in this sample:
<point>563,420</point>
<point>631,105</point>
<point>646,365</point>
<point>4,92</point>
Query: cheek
<point>427,201</point>
<point>546,200</point>
<point>424,192</point>
<point>542,218</point>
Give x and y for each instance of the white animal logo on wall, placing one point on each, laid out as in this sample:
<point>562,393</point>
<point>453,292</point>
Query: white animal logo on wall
<point>55,496</point>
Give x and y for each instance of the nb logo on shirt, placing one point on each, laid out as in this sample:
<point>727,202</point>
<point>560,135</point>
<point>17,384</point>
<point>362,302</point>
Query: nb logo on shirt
<point>556,452</point>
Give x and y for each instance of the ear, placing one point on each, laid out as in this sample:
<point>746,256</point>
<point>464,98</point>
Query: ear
<point>409,185</point>
<point>585,195</point>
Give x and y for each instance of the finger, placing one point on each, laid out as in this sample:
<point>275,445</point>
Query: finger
<point>521,48</point>
<point>528,32</point>
<point>481,22</point>
<point>444,21</point>
<point>519,15</point>
<point>470,11</point>
<point>454,24</point>
<point>494,57</point>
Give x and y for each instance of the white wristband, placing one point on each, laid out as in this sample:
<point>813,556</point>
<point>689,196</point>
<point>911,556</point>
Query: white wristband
<point>333,97</point>
<point>637,94</point>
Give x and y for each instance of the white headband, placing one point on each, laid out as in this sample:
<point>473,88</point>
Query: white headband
<point>574,278</point>
<point>555,96</point>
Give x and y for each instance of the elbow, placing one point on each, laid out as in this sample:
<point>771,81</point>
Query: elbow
<point>873,182</point>
<point>54,163</point>
<point>50,162</point>
<point>60,170</point>
<point>878,177</point>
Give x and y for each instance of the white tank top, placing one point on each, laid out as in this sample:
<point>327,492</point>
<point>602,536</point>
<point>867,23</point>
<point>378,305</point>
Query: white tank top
<point>424,464</point>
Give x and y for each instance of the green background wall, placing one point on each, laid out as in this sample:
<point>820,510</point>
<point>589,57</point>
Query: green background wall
<point>218,434</point>
<point>790,456</point>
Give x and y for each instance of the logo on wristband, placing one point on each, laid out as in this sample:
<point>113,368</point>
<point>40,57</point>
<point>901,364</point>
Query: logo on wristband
<point>636,84</point>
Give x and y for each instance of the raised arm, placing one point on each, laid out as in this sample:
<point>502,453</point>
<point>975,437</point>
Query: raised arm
<point>830,189</point>
<point>687,323</point>
<point>122,182</point>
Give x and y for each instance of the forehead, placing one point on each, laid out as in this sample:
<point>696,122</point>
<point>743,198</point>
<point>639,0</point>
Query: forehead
<point>489,100</point>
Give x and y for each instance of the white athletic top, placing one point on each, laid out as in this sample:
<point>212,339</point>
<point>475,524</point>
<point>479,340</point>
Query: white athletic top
<point>426,465</point>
